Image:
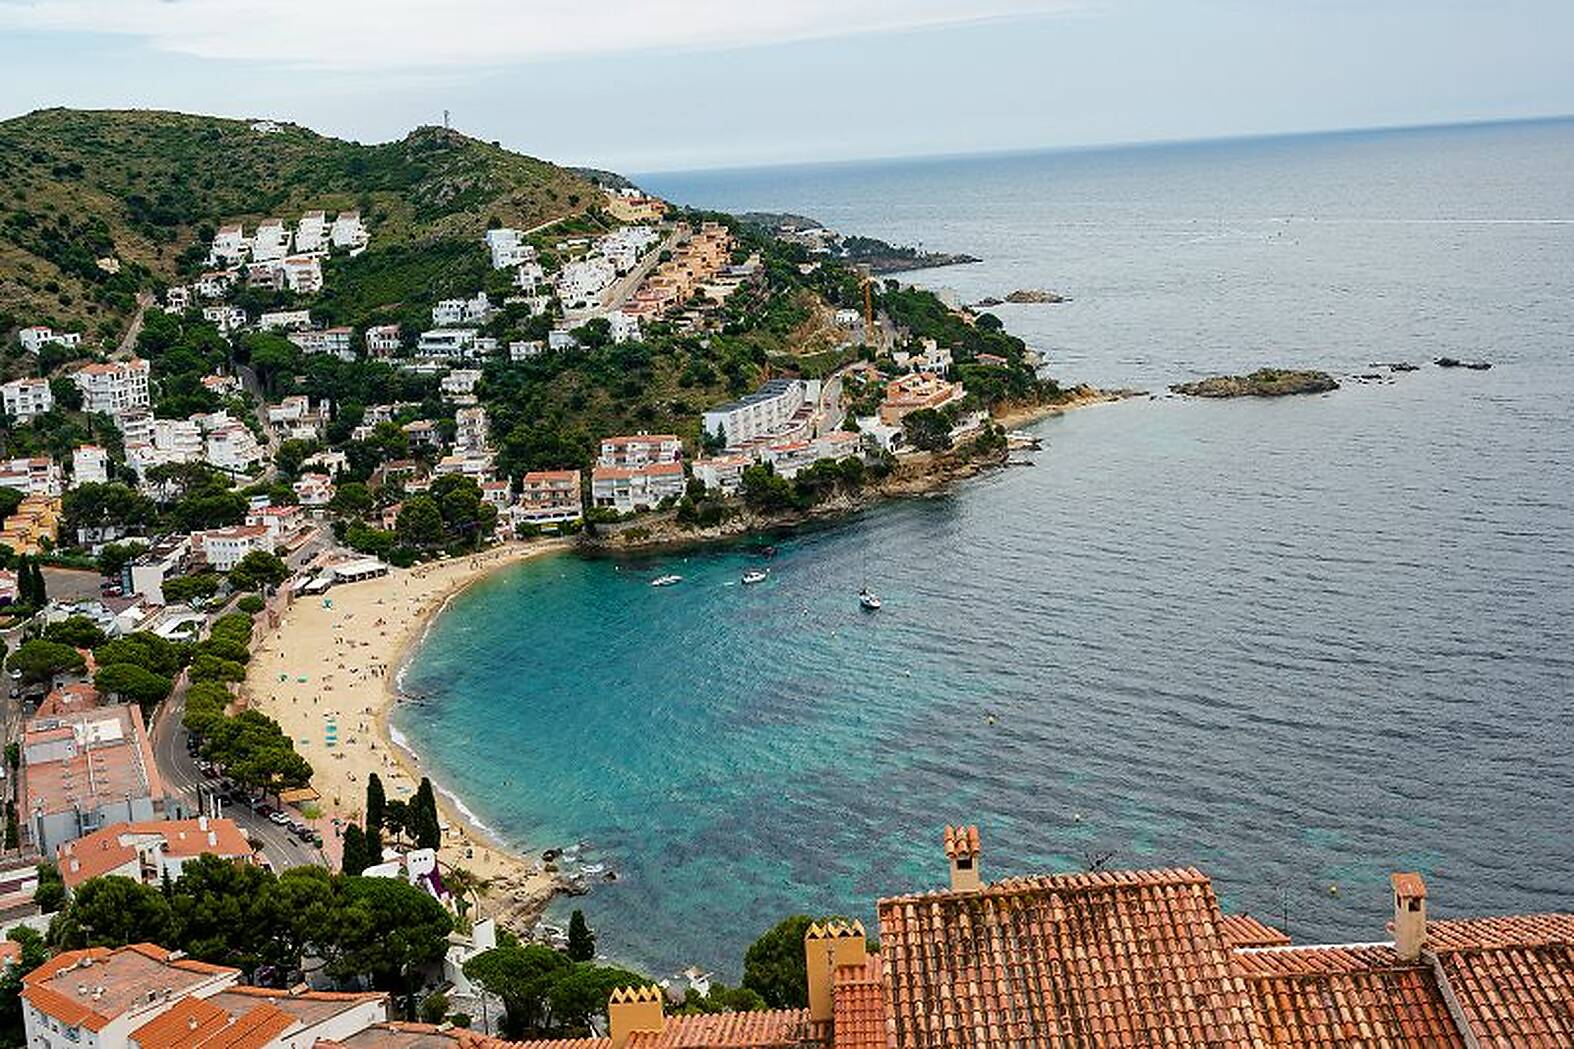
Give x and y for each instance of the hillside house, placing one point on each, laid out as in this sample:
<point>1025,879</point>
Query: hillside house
<point>25,398</point>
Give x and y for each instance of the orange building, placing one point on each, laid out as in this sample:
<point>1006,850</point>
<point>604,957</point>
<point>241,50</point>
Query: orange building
<point>909,393</point>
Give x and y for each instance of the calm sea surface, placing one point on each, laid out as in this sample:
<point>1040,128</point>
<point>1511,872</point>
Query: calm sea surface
<point>1299,644</point>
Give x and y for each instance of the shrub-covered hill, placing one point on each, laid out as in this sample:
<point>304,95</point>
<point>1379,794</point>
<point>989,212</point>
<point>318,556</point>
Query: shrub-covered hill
<point>144,188</point>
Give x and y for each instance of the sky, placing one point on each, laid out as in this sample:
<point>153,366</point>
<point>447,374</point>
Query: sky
<point>656,85</point>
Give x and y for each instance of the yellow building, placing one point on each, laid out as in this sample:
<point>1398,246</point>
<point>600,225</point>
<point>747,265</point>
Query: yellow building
<point>37,518</point>
<point>637,208</point>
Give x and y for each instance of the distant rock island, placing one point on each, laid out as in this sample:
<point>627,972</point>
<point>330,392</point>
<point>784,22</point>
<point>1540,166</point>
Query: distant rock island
<point>1264,382</point>
<point>878,255</point>
<point>1036,296</point>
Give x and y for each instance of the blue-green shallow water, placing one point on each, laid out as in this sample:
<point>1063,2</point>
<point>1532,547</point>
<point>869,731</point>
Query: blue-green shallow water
<point>1295,643</point>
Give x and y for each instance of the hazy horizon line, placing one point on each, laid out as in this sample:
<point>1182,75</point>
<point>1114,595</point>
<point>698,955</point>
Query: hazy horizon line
<point>1090,147</point>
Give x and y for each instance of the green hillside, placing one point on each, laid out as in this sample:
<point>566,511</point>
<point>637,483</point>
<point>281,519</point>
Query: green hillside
<point>142,187</point>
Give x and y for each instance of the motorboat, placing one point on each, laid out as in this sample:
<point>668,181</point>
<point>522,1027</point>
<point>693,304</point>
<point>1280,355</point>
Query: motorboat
<point>754,575</point>
<point>666,580</point>
<point>868,600</point>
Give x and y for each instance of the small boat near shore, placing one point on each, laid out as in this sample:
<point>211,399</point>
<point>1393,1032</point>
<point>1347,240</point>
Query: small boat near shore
<point>868,600</point>
<point>1021,440</point>
<point>754,575</point>
<point>667,580</point>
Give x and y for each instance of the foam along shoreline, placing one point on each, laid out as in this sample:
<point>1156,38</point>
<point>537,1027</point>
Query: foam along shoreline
<point>331,671</point>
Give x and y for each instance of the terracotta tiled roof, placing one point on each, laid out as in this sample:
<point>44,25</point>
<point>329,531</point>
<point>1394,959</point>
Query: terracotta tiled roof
<point>1408,884</point>
<point>860,1005</point>
<point>92,856</point>
<point>1509,930</point>
<point>1346,996</point>
<point>772,1027</point>
<point>961,841</point>
<point>187,1023</point>
<point>1520,997</point>
<point>1242,930</point>
<point>92,996</point>
<point>1107,959</point>
<point>251,1030</point>
<point>398,1035</point>
<point>566,1043</point>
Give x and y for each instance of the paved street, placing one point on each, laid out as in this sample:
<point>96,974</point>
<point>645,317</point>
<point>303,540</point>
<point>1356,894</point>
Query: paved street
<point>182,779</point>
<point>624,288</point>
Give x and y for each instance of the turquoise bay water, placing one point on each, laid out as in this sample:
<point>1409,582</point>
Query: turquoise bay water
<point>1298,644</point>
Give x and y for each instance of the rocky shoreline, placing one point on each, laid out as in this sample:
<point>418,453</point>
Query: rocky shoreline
<point>915,475</point>
<point>1264,382</point>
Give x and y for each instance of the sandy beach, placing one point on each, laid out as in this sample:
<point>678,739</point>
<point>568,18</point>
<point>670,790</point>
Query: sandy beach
<point>328,672</point>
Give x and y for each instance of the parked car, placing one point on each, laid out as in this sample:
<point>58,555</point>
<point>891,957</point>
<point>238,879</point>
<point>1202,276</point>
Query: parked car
<point>280,818</point>
<point>263,809</point>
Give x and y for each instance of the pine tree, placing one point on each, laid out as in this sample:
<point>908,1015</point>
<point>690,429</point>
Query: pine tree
<point>425,827</point>
<point>354,850</point>
<point>376,803</point>
<point>581,941</point>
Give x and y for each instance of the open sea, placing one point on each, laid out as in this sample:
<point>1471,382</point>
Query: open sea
<point>1299,644</point>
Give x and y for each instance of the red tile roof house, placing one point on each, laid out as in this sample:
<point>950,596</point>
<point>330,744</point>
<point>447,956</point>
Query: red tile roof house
<point>147,851</point>
<point>1122,960</point>
<point>146,997</point>
<point>1110,960</point>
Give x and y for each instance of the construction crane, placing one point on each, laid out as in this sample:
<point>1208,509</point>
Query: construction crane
<point>868,280</point>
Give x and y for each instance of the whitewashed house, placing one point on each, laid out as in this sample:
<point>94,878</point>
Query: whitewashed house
<point>327,340</point>
<point>38,336</point>
<point>113,388</point>
<point>311,233</point>
<point>230,247</point>
<point>284,319</point>
<point>461,382</point>
<point>89,464</point>
<point>302,274</point>
<point>25,398</point>
<point>451,313</point>
<point>382,340</point>
<point>271,241</point>
<point>348,232</point>
<point>447,342</point>
<point>508,248</point>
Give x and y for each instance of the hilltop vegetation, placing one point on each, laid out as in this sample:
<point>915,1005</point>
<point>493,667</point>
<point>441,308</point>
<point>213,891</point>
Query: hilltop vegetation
<point>146,188</point>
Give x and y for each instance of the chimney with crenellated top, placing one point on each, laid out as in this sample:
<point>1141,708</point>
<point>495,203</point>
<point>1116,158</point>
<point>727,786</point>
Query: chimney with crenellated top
<point>827,946</point>
<point>1409,915</point>
<point>632,1009</point>
<point>961,848</point>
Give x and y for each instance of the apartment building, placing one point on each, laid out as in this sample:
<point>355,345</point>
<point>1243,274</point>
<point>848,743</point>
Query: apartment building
<point>86,771</point>
<point>89,464</point>
<point>114,388</point>
<point>631,488</point>
<point>25,398</point>
<point>549,497</point>
<point>781,409</point>
<point>223,548</point>
<point>640,449</point>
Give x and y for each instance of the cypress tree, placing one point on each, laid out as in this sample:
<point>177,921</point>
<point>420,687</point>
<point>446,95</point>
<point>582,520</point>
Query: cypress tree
<point>581,941</point>
<point>374,848</point>
<point>39,592</point>
<point>354,850</point>
<point>376,804</point>
<point>425,827</point>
